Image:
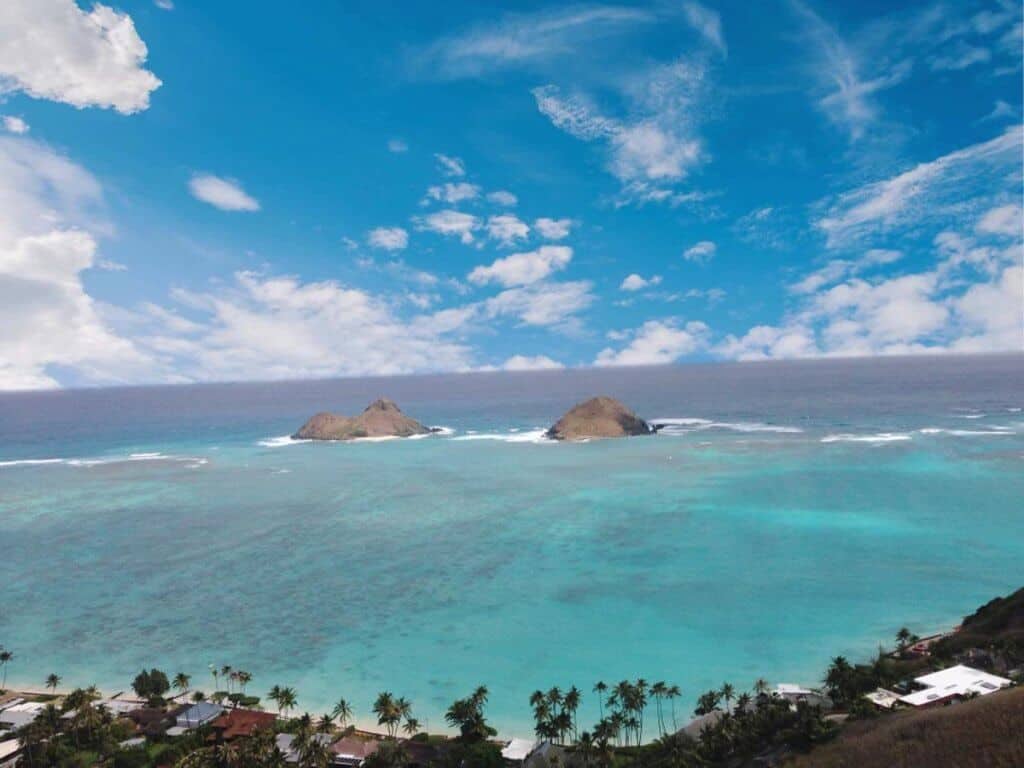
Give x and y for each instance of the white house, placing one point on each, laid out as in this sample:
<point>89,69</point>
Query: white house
<point>954,683</point>
<point>517,750</point>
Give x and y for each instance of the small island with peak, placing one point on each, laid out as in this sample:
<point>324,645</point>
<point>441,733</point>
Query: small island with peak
<point>382,418</point>
<point>599,417</point>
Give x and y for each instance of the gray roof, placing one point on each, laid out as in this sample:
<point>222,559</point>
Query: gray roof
<point>199,713</point>
<point>693,728</point>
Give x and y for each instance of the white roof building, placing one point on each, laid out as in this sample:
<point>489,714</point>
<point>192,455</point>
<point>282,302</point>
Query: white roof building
<point>955,682</point>
<point>518,750</point>
<point>20,715</point>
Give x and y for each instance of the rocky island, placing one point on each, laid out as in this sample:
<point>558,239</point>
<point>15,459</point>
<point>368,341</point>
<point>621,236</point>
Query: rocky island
<point>382,418</point>
<point>599,417</point>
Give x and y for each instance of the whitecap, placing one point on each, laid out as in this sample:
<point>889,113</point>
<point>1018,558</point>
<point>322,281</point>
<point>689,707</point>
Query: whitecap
<point>30,462</point>
<point>881,437</point>
<point>281,442</point>
<point>442,431</point>
<point>530,436</point>
<point>682,425</point>
<point>967,432</point>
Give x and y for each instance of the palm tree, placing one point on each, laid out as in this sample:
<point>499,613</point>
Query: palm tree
<point>673,693</point>
<point>412,726</point>
<point>243,678</point>
<point>325,724</point>
<point>728,692</point>
<point>760,686</point>
<point>216,678</point>
<point>600,688</point>
<point>225,672</point>
<point>287,699</point>
<point>6,657</point>
<point>181,682</point>
<point>52,681</point>
<point>386,707</point>
<point>342,711</point>
<point>572,703</point>
<point>658,691</point>
<point>275,696</point>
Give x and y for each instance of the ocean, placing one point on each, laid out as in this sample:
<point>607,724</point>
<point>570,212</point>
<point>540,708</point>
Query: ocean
<point>789,512</point>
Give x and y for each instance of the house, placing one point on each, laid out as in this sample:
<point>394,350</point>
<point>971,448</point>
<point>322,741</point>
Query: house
<point>286,745</point>
<point>198,714</point>
<point>351,750</point>
<point>236,723</point>
<point>19,715</point>
<point>955,683</point>
<point>544,755</point>
<point>882,698</point>
<point>517,750</point>
<point>8,749</point>
<point>797,694</point>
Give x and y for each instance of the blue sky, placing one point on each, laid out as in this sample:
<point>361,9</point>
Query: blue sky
<point>222,191</point>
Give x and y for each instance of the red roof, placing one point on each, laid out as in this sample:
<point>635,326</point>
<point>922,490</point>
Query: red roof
<point>242,722</point>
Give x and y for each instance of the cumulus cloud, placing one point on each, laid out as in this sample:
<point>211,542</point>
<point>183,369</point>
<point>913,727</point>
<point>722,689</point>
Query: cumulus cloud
<point>506,229</point>
<point>635,282</point>
<point>656,342</point>
<point>450,166</point>
<point>542,304</point>
<point>502,197</point>
<point>388,238</point>
<point>701,252</point>
<point>47,206</point>
<point>553,229</point>
<point>450,223</point>
<point>53,49</point>
<point>524,268</point>
<point>397,146</point>
<point>16,125</point>
<point>527,363</point>
<point>453,192</point>
<point>226,194</point>
<point>1005,220</point>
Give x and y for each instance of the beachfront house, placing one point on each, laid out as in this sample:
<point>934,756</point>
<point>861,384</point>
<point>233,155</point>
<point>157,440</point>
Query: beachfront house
<point>954,684</point>
<point>286,745</point>
<point>240,723</point>
<point>198,714</point>
<point>517,750</point>
<point>18,715</point>
<point>352,750</point>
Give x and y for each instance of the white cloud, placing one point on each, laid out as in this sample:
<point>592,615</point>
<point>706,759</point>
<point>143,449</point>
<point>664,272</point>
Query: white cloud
<point>656,342</point>
<point>526,363</point>
<point>277,327</point>
<point>502,197</point>
<point>450,222</point>
<point>707,22</point>
<point>848,93</point>
<point>226,194</point>
<point>542,304</point>
<point>46,205</point>
<point>397,146</point>
<point>837,269</point>
<point>524,268</point>
<point>388,238</point>
<point>961,56</point>
<point>701,252</point>
<point>635,282</point>
<point>506,229</point>
<point>450,166</point>
<point>553,229</point>
<point>453,192</point>
<point>1004,220</point>
<point>164,5</point>
<point>525,39</point>
<point>16,125</point>
<point>53,49</point>
<point>950,185</point>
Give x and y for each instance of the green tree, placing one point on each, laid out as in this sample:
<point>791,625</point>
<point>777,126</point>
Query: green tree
<point>53,681</point>
<point>389,754</point>
<point>468,716</point>
<point>151,685</point>
<point>343,712</point>
<point>181,682</point>
<point>600,688</point>
<point>388,712</point>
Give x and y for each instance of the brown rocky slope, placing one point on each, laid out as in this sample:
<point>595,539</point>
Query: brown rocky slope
<point>382,418</point>
<point>599,417</point>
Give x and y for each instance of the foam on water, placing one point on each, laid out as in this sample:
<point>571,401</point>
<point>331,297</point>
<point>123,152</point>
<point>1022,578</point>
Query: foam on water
<point>281,441</point>
<point>692,424</point>
<point>880,438</point>
<point>537,436</point>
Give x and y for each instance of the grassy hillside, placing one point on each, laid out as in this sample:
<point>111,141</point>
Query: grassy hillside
<point>983,733</point>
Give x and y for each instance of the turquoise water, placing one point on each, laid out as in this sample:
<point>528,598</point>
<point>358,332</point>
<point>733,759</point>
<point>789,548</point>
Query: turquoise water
<point>793,512</point>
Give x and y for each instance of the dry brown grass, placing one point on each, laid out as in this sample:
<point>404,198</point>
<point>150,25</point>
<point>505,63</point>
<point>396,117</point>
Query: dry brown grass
<point>984,733</point>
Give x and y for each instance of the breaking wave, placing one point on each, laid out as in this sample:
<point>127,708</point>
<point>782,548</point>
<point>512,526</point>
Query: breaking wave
<point>880,437</point>
<point>684,425</point>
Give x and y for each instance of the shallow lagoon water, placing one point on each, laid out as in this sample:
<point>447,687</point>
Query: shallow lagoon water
<point>777,523</point>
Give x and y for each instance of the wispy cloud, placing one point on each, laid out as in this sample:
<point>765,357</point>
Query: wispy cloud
<point>226,194</point>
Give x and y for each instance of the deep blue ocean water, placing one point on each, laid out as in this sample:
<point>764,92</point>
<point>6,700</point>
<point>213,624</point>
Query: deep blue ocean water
<point>789,513</point>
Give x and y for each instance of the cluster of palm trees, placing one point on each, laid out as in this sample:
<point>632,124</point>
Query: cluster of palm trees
<point>285,697</point>
<point>554,713</point>
<point>392,711</point>
<point>468,716</point>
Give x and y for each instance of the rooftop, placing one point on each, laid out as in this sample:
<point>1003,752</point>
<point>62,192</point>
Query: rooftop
<point>955,681</point>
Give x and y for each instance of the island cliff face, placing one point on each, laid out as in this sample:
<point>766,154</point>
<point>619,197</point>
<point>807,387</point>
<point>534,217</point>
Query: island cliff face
<point>382,418</point>
<point>599,417</point>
